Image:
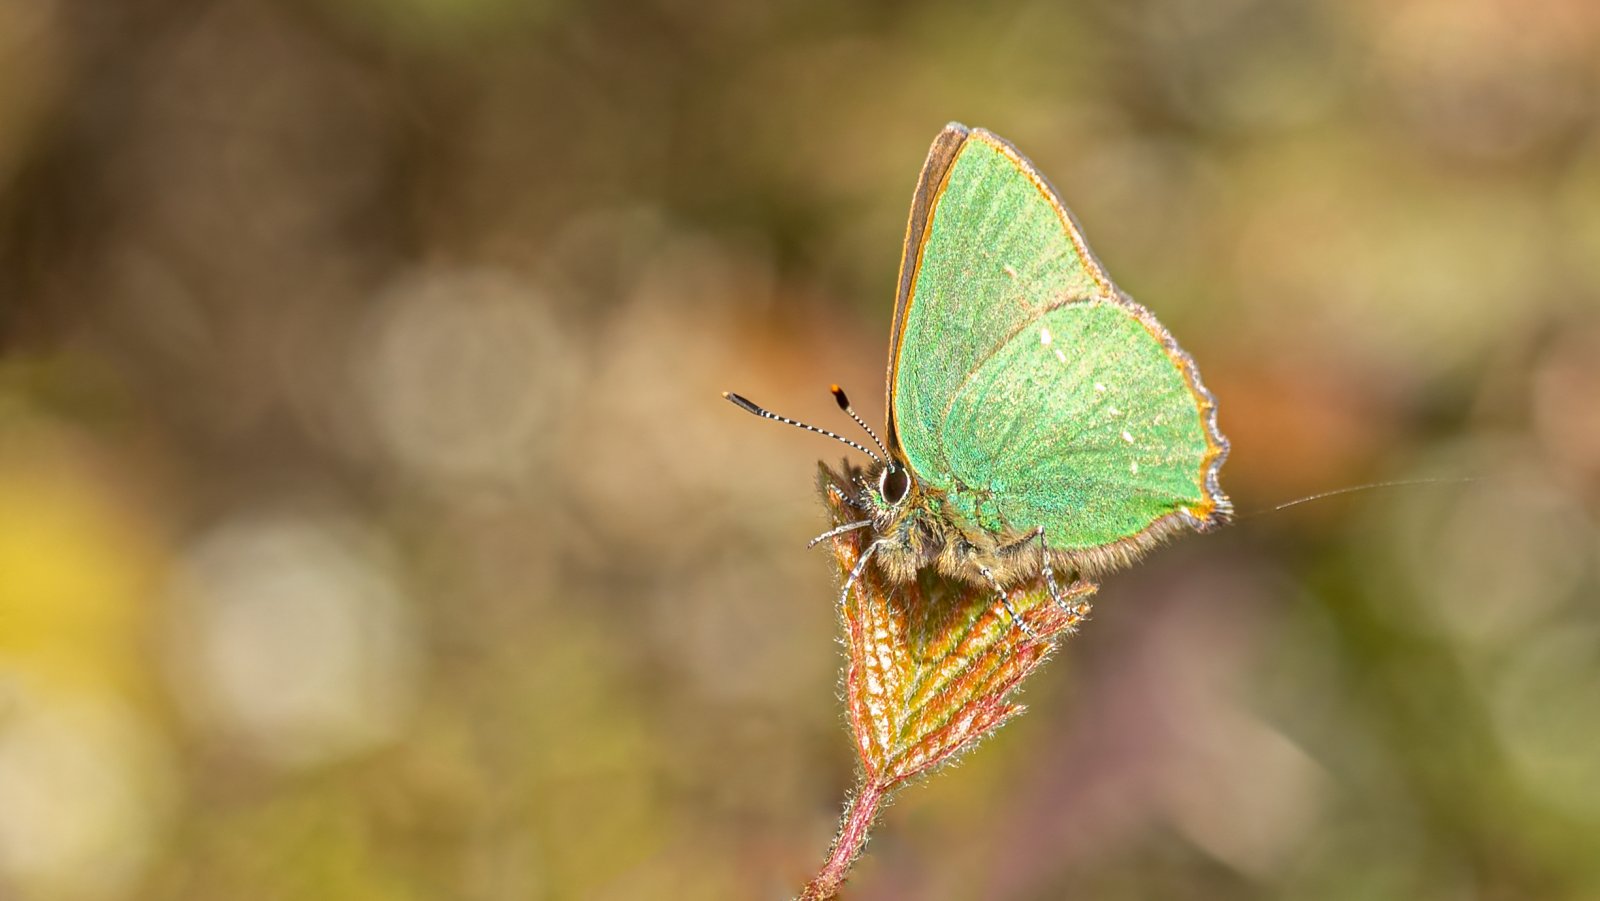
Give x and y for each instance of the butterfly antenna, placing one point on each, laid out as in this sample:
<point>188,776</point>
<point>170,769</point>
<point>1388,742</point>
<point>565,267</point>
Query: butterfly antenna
<point>749,407</point>
<point>844,404</point>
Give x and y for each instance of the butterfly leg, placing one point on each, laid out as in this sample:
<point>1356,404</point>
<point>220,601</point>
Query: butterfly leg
<point>846,499</point>
<point>857,570</point>
<point>1044,564</point>
<point>1075,612</point>
<point>1005,601</point>
<point>1049,572</point>
<point>831,533</point>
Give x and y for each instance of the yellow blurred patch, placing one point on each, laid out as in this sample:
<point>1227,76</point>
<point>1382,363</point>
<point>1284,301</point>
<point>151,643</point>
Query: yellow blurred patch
<point>73,571</point>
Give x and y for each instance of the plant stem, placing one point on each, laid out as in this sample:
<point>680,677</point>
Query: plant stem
<point>858,817</point>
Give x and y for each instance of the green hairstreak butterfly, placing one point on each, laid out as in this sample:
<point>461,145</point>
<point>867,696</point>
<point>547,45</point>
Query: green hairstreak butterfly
<point>1039,420</point>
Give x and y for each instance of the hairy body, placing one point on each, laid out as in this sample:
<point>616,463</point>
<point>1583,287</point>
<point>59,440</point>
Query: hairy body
<point>914,526</point>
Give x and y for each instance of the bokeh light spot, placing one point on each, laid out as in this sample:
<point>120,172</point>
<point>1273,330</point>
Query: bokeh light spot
<point>293,637</point>
<point>85,791</point>
<point>467,374</point>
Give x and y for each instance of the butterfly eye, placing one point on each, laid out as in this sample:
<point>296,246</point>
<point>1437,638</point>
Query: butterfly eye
<point>894,484</point>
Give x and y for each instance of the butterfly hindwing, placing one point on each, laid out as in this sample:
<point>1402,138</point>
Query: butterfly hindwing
<point>1110,442</point>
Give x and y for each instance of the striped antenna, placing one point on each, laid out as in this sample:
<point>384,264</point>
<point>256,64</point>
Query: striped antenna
<point>844,404</point>
<point>749,407</point>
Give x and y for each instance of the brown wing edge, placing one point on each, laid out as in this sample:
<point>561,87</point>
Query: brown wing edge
<point>1218,509</point>
<point>930,184</point>
<point>1097,270</point>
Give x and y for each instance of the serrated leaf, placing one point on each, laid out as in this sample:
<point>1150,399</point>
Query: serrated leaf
<point>930,671</point>
<point>932,664</point>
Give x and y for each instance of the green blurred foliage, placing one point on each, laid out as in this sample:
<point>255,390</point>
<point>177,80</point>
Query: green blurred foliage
<point>370,526</point>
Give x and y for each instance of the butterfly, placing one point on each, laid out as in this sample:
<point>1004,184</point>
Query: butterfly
<point>1039,420</point>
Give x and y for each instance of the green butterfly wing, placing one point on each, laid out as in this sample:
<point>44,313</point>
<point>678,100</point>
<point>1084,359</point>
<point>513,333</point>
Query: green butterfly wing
<point>1024,387</point>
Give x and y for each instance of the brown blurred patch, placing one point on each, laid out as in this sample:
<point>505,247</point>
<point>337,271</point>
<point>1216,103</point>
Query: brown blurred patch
<point>1298,428</point>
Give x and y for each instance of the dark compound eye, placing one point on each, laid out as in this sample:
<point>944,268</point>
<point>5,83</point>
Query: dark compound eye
<point>894,484</point>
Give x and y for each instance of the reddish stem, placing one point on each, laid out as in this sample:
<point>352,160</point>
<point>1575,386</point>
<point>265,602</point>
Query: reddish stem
<point>847,845</point>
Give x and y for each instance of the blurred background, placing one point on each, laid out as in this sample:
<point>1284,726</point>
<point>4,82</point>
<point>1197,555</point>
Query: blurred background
<point>371,528</point>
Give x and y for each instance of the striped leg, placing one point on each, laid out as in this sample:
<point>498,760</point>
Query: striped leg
<point>1005,601</point>
<point>1049,573</point>
<point>1076,612</point>
<point>1044,561</point>
<point>857,570</point>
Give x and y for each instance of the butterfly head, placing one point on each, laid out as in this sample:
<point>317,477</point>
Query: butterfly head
<point>907,528</point>
<point>889,494</point>
<point>893,485</point>
<point>910,528</point>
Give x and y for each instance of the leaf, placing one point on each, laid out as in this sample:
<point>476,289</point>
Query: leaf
<point>931,667</point>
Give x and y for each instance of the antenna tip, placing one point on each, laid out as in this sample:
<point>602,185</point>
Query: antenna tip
<point>742,403</point>
<point>838,395</point>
